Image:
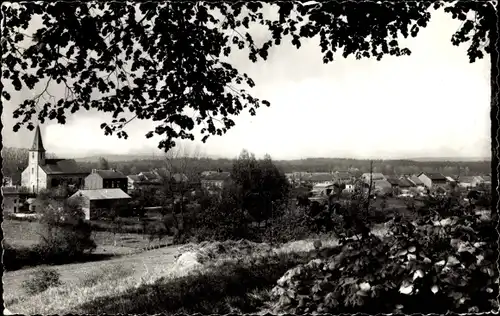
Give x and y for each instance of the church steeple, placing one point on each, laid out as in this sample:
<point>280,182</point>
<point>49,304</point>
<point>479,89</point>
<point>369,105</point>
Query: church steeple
<point>37,141</point>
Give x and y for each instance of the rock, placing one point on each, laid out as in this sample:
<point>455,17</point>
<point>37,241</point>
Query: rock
<point>188,261</point>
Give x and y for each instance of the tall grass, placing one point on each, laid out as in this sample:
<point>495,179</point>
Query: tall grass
<point>225,287</point>
<point>73,297</point>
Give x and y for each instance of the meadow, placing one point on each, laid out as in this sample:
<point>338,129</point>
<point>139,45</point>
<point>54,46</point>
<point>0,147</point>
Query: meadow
<point>27,233</point>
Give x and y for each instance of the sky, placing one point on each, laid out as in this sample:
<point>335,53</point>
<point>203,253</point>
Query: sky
<point>433,103</point>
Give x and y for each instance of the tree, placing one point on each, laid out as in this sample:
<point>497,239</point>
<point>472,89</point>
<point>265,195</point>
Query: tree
<point>103,164</point>
<point>263,186</point>
<point>179,179</point>
<point>65,233</point>
<point>156,60</point>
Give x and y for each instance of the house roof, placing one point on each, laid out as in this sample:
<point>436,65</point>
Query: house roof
<point>319,177</point>
<point>322,186</point>
<point>405,183</point>
<point>434,175</point>
<point>110,174</point>
<point>150,175</point>
<point>102,194</point>
<point>219,176</point>
<point>382,183</point>
<point>393,181</point>
<point>62,166</point>
<point>37,140</point>
<point>415,180</point>
<point>486,178</point>
<point>134,177</point>
<point>466,179</point>
<point>451,179</point>
<point>342,175</point>
<point>375,175</point>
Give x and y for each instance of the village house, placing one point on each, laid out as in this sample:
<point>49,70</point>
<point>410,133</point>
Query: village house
<point>405,185</point>
<point>106,179</point>
<point>416,182</point>
<point>349,188</point>
<point>215,181</point>
<point>394,182</point>
<point>43,173</point>
<point>433,179</point>
<point>342,177</point>
<point>450,180</point>
<point>14,200</point>
<point>139,182</point>
<point>471,181</point>
<point>486,180</point>
<point>161,174</point>
<point>151,176</point>
<point>315,178</point>
<point>209,172</point>
<point>322,189</point>
<point>97,202</point>
<point>374,176</point>
<point>382,186</point>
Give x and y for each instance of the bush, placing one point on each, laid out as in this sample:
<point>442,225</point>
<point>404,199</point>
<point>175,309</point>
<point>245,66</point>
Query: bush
<point>222,219</point>
<point>289,227</point>
<point>41,280</point>
<point>66,233</point>
<point>439,263</point>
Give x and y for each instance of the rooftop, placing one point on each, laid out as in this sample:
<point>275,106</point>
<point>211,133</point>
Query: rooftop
<point>319,177</point>
<point>110,174</point>
<point>219,176</point>
<point>102,194</point>
<point>37,140</point>
<point>405,183</point>
<point>62,166</point>
<point>415,180</point>
<point>375,175</point>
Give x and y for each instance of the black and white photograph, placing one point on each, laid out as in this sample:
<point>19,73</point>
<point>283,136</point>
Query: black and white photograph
<point>265,158</point>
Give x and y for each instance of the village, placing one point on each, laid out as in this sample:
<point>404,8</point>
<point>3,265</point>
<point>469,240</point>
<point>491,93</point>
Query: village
<point>103,190</point>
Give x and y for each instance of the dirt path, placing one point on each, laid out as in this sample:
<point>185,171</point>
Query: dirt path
<point>141,264</point>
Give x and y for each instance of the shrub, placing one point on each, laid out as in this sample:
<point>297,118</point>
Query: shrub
<point>40,280</point>
<point>289,227</point>
<point>66,233</point>
<point>444,261</point>
<point>222,219</point>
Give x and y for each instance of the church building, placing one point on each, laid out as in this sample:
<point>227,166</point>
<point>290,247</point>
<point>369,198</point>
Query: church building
<point>43,173</point>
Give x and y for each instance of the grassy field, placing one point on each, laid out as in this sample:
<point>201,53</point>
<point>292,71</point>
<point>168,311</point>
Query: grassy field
<point>25,234</point>
<point>87,283</point>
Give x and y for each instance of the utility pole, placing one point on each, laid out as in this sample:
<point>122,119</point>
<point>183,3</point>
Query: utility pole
<point>370,186</point>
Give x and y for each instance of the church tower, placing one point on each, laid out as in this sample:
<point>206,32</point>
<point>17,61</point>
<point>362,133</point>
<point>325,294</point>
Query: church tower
<point>36,158</point>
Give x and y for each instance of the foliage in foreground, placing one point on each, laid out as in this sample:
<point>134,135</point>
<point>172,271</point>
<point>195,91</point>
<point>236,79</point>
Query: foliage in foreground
<point>444,261</point>
<point>128,36</point>
<point>224,289</point>
<point>40,280</point>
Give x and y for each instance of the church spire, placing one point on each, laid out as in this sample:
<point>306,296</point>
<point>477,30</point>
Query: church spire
<point>37,141</point>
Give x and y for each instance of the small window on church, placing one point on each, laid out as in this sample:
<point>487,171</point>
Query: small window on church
<point>33,155</point>
<point>32,170</point>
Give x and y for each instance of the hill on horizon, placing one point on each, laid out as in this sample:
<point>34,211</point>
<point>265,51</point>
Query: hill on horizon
<point>139,156</point>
